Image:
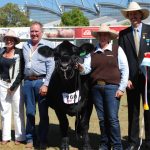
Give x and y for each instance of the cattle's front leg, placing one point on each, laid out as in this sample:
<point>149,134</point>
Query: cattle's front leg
<point>84,126</point>
<point>64,124</point>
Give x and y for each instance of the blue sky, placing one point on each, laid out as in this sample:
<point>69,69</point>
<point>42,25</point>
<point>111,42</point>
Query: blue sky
<point>51,3</point>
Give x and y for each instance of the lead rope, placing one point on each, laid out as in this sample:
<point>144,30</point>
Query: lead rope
<point>146,107</point>
<point>75,96</point>
<point>78,81</point>
<point>141,133</point>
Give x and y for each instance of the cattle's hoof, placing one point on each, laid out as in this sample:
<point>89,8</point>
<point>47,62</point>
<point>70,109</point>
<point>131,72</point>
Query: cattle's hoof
<point>64,143</point>
<point>64,148</point>
<point>87,147</point>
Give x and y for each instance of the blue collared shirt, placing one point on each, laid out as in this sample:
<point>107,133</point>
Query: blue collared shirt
<point>36,64</point>
<point>122,63</point>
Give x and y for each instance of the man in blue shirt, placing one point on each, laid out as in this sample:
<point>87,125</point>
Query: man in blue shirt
<point>37,74</point>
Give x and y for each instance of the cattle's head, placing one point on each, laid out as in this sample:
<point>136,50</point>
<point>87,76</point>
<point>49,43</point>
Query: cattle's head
<point>66,57</point>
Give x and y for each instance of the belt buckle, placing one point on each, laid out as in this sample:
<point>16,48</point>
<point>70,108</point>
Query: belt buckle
<point>100,82</point>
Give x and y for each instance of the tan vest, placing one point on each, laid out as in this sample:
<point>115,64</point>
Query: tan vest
<point>105,66</point>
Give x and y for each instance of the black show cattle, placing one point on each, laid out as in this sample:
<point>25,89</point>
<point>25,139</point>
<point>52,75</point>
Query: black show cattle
<point>68,92</point>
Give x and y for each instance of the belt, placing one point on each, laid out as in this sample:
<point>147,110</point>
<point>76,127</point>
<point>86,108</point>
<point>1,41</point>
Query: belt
<point>100,82</point>
<point>34,77</point>
<point>6,80</point>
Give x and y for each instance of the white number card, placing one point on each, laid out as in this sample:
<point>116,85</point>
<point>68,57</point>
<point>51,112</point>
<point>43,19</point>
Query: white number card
<point>71,98</point>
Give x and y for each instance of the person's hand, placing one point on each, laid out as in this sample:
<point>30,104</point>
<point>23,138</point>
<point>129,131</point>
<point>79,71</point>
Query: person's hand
<point>130,85</point>
<point>119,94</point>
<point>79,67</point>
<point>9,91</point>
<point>43,90</point>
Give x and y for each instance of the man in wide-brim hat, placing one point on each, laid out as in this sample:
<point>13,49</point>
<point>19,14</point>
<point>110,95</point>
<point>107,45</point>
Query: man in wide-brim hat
<point>135,42</point>
<point>133,6</point>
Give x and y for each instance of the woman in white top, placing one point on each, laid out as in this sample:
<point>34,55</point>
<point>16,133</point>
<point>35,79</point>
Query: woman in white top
<point>109,75</point>
<point>11,75</point>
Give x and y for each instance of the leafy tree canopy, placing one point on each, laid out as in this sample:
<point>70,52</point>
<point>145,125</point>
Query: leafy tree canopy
<point>75,17</point>
<point>12,16</point>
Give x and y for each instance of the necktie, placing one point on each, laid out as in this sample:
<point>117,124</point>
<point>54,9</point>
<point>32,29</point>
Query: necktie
<point>136,40</point>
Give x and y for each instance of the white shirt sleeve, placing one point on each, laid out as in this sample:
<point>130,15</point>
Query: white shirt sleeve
<point>124,69</point>
<point>86,65</point>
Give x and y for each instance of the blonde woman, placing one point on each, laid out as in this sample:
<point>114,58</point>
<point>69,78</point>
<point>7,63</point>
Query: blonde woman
<point>11,74</point>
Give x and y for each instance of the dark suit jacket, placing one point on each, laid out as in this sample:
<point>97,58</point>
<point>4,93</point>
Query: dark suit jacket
<point>126,41</point>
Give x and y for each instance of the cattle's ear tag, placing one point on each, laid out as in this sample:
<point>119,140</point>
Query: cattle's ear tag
<point>83,53</point>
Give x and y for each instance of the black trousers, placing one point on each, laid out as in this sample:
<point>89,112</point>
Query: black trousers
<point>133,98</point>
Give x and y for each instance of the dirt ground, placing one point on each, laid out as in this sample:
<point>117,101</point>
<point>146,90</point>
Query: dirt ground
<point>94,131</point>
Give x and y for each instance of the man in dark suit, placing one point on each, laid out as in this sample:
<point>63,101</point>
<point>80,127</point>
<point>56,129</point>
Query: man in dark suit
<point>135,41</point>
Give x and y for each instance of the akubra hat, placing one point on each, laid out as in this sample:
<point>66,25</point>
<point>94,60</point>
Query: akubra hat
<point>12,34</point>
<point>105,29</point>
<point>133,6</point>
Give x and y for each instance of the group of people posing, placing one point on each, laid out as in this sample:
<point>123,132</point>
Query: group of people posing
<point>114,69</point>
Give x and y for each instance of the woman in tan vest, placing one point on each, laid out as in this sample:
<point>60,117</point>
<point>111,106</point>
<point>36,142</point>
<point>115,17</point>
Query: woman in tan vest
<point>109,74</point>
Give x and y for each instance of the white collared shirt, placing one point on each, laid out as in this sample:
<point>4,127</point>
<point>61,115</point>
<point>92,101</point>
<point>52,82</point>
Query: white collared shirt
<point>122,64</point>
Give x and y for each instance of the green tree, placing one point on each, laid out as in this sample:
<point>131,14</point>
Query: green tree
<point>75,17</point>
<point>11,16</point>
<point>126,23</point>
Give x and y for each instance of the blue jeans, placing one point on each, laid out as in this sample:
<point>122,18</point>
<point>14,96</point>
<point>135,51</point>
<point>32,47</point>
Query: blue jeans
<point>107,107</point>
<point>31,95</point>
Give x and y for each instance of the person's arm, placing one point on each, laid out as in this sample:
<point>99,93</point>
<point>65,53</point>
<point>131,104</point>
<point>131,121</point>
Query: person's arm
<point>85,68</point>
<point>20,69</point>
<point>124,69</point>
<point>50,65</point>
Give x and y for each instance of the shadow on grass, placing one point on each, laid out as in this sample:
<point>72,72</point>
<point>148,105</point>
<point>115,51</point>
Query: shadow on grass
<point>125,143</point>
<point>54,138</point>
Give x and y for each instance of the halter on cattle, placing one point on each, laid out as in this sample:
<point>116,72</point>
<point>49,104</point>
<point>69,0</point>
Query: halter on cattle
<point>66,65</point>
<point>67,60</point>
